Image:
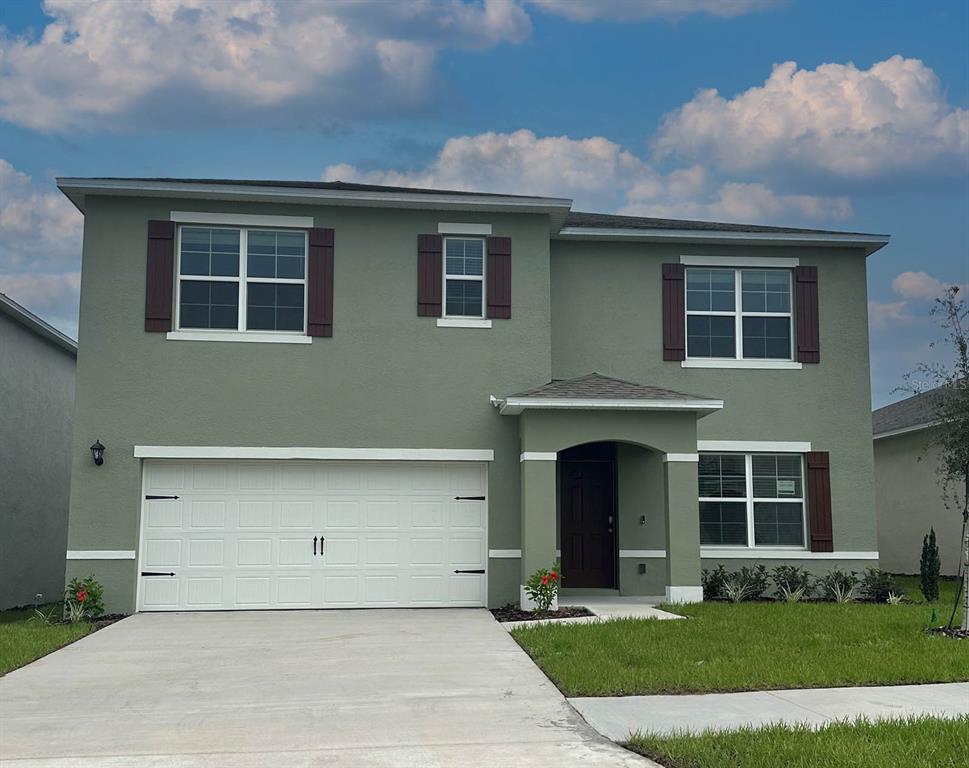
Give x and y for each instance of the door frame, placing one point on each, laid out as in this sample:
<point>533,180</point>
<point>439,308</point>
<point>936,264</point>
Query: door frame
<point>604,452</point>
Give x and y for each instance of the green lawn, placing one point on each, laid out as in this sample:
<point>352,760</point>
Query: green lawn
<point>750,646</point>
<point>22,640</point>
<point>914,743</point>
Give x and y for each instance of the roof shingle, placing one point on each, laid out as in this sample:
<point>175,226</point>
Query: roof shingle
<point>916,411</point>
<point>595,386</point>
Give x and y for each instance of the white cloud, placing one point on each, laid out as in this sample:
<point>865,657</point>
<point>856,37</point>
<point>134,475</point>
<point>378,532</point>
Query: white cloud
<point>598,174</point>
<point>914,288</point>
<point>40,248</point>
<point>116,63</point>
<point>884,314</point>
<point>892,118</point>
<point>919,285</point>
<point>635,10</point>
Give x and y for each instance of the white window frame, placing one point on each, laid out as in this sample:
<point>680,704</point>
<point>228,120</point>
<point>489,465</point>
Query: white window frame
<point>739,314</point>
<point>749,500</point>
<point>242,279</point>
<point>468,278</point>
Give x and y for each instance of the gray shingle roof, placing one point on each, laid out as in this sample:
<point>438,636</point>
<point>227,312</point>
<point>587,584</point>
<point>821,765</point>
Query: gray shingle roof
<point>609,221</point>
<point>915,411</point>
<point>595,386</point>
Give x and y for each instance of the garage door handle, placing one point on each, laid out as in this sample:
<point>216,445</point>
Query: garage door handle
<point>156,573</point>
<point>480,570</point>
<point>314,545</point>
<point>469,498</point>
<point>321,545</point>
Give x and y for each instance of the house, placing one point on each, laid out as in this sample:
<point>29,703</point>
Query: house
<point>908,492</point>
<point>323,394</point>
<point>36,408</point>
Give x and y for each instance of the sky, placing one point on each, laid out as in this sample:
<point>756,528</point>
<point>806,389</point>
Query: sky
<point>846,115</point>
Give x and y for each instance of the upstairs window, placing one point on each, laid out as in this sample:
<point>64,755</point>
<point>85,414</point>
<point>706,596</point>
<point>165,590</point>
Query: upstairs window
<point>241,279</point>
<point>751,500</point>
<point>738,314</point>
<point>464,277</point>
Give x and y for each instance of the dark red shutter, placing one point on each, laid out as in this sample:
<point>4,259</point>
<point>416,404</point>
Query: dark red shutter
<point>674,313</point>
<point>819,500</point>
<point>319,308</point>
<point>499,277</point>
<point>429,275</point>
<point>806,314</point>
<point>160,276</point>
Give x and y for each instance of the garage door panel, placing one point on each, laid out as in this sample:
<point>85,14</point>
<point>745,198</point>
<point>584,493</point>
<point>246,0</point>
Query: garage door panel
<point>241,535</point>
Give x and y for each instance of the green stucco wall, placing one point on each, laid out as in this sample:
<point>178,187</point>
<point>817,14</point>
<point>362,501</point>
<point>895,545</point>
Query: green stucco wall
<point>36,408</point>
<point>607,317</point>
<point>909,499</point>
<point>387,378</point>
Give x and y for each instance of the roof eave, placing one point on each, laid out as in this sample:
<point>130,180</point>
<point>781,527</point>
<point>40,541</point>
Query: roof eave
<point>905,430</point>
<point>77,189</point>
<point>513,406</point>
<point>31,322</point>
<point>870,243</point>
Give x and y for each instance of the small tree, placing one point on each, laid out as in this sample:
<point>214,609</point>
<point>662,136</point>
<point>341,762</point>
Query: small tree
<point>929,567</point>
<point>950,406</point>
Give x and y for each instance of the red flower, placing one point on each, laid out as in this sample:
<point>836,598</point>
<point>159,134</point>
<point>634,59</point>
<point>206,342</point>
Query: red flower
<point>544,579</point>
<point>81,596</point>
<point>555,576</point>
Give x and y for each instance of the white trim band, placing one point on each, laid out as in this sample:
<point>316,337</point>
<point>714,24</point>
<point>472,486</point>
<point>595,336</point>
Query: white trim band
<point>739,261</point>
<point>100,554</point>
<point>661,553</point>
<point>684,594</point>
<point>241,219</point>
<point>538,456</point>
<point>463,322</point>
<point>245,336</point>
<point>755,553</point>
<point>454,228</point>
<point>505,553</point>
<point>689,458</point>
<point>764,365</point>
<point>753,446</point>
<point>339,454</point>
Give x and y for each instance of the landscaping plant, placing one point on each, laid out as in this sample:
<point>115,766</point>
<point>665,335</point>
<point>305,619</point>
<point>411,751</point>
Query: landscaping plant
<point>746,584</point>
<point>714,583</point>
<point>543,587</point>
<point>929,567</point>
<point>877,585</point>
<point>792,583</point>
<point>839,586</point>
<point>83,599</point>
<point>950,406</point>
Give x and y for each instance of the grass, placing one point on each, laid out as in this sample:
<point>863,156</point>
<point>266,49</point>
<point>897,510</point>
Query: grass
<point>915,743</point>
<point>23,639</point>
<point>751,646</point>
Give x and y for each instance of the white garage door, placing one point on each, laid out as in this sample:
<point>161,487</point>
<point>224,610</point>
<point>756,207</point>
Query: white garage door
<point>285,534</point>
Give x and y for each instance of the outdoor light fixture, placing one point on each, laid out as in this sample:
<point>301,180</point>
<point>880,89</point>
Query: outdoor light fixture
<point>97,451</point>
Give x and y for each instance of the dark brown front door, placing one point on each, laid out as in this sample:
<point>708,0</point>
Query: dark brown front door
<point>588,523</point>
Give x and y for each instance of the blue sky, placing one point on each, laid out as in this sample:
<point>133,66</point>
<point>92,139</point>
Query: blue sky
<point>649,107</point>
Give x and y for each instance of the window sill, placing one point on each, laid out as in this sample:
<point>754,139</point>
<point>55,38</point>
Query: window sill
<point>462,322</point>
<point>246,336</point>
<point>776,365</point>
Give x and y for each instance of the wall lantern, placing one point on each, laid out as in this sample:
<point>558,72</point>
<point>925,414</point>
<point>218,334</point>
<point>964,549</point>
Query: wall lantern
<point>97,451</point>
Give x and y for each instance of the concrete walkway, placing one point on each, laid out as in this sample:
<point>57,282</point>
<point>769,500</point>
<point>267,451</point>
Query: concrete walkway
<point>616,717</point>
<point>603,608</point>
<point>388,688</point>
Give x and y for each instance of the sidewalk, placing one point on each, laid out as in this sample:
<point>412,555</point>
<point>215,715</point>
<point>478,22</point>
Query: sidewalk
<point>616,717</point>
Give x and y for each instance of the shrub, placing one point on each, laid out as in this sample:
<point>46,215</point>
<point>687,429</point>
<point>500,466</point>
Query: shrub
<point>83,599</point>
<point>792,583</point>
<point>877,585</point>
<point>746,584</point>
<point>714,583</point>
<point>543,586</point>
<point>929,567</point>
<point>839,586</point>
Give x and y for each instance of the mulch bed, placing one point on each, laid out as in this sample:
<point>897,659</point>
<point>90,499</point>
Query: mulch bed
<point>107,619</point>
<point>513,613</point>
<point>958,634</point>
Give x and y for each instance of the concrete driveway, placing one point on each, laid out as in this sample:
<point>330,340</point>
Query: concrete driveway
<point>414,688</point>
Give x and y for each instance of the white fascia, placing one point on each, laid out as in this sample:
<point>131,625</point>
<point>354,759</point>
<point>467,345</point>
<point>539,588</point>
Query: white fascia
<point>905,430</point>
<point>512,406</point>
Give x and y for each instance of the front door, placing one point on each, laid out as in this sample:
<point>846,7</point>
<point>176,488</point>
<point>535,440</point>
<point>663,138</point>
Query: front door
<point>588,532</point>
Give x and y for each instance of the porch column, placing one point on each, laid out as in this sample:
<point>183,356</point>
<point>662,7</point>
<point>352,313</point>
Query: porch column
<point>682,528</point>
<point>538,515</point>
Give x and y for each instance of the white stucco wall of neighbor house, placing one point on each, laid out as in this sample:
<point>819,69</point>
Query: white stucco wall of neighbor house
<point>36,412</point>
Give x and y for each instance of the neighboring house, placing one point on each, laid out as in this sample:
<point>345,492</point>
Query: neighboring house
<point>325,394</point>
<point>908,491</point>
<point>36,408</point>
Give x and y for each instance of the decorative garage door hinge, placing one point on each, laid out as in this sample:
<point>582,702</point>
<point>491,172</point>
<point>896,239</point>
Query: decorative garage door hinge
<point>479,570</point>
<point>469,498</point>
<point>155,498</point>
<point>156,573</point>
